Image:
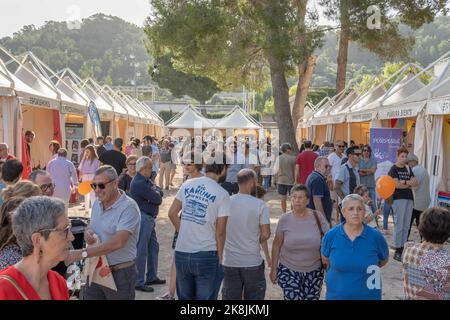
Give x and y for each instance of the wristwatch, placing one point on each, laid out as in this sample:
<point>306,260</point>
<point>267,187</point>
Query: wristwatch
<point>84,253</point>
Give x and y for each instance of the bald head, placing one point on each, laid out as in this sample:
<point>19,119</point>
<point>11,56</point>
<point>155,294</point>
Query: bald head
<point>247,181</point>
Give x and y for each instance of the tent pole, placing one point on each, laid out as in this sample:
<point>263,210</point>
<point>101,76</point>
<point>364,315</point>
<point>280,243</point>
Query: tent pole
<point>349,132</point>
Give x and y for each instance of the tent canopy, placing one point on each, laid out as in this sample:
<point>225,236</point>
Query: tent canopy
<point>237,119</point>
<point>187,120</point>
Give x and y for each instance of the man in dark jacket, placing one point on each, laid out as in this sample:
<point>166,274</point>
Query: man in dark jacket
<point>149,198</point>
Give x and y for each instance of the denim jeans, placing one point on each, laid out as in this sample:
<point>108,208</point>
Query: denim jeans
<point>373,197</point>
<point>199,275</point>
<point>147,251</point>
<point>386,212</point>
<point>266,182</point>
<point>248,283</point>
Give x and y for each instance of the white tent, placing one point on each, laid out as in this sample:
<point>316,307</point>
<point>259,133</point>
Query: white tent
<point>11,117</point>
<point>189,118</point>
<point>237,119</point>
<point>438,110</point>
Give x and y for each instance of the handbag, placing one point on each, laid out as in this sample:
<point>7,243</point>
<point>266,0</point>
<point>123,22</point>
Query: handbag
<point>14,283</point>
<point>318,224</point>
<point>321,234</point>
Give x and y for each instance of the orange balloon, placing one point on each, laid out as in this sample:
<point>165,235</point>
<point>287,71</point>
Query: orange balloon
<point>385,187</point>
<point>84,187</point>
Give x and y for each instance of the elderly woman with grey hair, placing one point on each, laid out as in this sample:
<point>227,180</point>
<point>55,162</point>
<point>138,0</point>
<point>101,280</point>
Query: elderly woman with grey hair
<point>353,253</point>
<point>42,231</point>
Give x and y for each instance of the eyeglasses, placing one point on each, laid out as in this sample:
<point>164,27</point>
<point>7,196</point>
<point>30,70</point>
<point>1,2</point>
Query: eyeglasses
<point>101,185</point>
<point>45,187</point>
<point>65,230</point>
<point>327,166</point>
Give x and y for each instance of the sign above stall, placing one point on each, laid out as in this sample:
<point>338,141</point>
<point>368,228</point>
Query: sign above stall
<point>401,111</point>
<point>439,106</point>
<point>77,110</point>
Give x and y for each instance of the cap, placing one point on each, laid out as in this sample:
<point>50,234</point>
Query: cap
<point>412,157</point>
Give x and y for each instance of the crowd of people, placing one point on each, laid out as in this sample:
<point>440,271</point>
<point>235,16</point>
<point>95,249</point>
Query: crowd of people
<point>328,232</point>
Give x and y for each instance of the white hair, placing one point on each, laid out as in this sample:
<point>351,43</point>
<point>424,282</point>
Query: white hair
<point>142,162</point>
<point>352,197</point>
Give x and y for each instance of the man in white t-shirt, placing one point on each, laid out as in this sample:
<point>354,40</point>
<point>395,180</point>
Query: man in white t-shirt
<point>204,207</point>
<point>335,160</point>
<point>248,226</point>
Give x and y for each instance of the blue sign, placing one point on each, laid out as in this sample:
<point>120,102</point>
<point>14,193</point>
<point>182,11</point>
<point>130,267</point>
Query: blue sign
<point>95,119</point>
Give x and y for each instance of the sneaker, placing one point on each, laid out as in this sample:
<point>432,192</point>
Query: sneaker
<point>398,256</point>
<point>156,281</point>
<point>167,296</point>
<point>144,288</point>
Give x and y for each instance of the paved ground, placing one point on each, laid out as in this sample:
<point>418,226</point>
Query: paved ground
<point>391,273</point>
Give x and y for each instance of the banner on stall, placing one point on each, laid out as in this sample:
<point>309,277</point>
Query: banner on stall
<point>74,135</point>
<point>384,143</point>
<point>95,119</point>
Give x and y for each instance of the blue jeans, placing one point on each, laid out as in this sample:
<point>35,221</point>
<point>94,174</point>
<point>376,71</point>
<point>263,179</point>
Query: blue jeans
<point>386,212</point>
<point>266,182</point>
<point>199,275</point>
<point>147,251</point>
<point>373,196</point>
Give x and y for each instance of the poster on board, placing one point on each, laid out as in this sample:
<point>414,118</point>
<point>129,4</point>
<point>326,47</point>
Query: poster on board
<point>384,143</point>
<point>74,135</point>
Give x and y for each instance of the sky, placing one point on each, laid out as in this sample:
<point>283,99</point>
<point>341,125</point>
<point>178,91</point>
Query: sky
<point>15,14</point>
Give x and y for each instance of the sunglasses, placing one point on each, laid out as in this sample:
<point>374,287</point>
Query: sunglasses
<point>327,166</point>
<point>45,187</point>
<point>131,164</point>
<point>341,146</point>
<point>365,150</point>
<point>100,185</point>
<point>65,231</point>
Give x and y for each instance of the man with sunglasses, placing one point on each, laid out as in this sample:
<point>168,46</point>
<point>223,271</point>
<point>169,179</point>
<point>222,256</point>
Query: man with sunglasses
<point>44,180</point>
<point>149,198</point>
<point>116,220</point>
<point>320,198</point>
<point>348,178</point>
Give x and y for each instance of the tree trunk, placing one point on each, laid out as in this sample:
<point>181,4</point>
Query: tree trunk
<point>343,46</point>
<point>281,102</point>
<point>305,72</point>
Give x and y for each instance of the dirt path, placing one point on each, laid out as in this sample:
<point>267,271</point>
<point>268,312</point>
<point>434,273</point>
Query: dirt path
<point>391,273</point>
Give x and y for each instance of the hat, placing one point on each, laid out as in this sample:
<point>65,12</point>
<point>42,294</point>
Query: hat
<point>412,157</point>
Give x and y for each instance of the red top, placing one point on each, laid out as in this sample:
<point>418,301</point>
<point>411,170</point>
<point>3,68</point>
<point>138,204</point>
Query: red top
<point>57,284</point>
<point>306,162</point>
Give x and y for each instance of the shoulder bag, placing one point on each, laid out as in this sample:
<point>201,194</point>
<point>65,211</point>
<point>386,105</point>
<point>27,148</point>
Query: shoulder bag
<point>15,285</point>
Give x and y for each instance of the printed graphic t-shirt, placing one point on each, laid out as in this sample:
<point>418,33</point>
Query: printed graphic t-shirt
<point>402,174</point>
<point>203,201</point>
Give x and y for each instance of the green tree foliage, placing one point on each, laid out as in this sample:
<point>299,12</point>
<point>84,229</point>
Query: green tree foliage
<point>385,40</point>
<point>236,43</point>
<point>100,48</point>
<point>181,83</point>
<point>166,115</point>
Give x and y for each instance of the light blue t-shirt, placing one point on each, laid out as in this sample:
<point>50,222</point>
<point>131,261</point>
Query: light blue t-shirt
<point>124,215</point>
<point>353,273</point>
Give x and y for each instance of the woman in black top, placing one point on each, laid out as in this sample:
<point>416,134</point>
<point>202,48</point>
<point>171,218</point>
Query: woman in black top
<point>403,200</point>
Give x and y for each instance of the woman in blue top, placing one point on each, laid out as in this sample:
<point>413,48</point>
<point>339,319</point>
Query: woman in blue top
<point>353,254</point>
